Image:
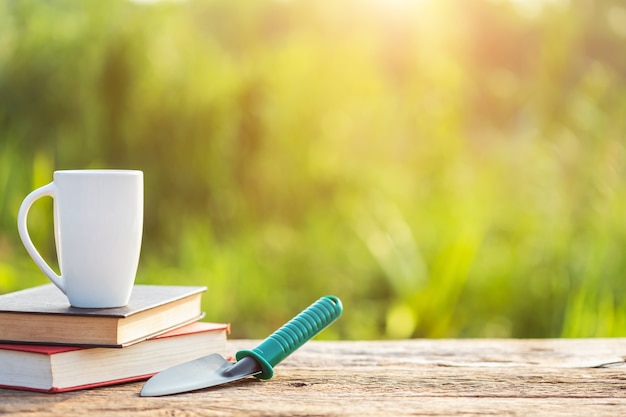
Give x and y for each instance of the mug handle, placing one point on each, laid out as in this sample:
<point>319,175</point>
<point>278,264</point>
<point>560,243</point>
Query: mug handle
<point>50,191</point>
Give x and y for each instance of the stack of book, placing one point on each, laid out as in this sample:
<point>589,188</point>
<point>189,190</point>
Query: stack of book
<point>48,346</point>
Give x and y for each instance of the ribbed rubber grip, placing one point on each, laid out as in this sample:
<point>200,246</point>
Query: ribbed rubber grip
<point>284,341</point>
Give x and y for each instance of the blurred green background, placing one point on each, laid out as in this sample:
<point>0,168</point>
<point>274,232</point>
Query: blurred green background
<point>449,168</point>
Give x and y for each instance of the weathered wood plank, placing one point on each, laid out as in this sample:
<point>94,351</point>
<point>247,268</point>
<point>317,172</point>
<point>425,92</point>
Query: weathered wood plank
<point>416,377</point>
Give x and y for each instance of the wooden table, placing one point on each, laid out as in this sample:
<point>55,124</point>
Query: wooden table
<point>415,377</point>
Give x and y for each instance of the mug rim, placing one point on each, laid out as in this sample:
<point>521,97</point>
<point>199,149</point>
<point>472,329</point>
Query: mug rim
<point>98,172</point>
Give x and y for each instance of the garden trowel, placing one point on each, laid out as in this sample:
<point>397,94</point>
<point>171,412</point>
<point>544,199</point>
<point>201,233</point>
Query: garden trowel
<point>214,370</point>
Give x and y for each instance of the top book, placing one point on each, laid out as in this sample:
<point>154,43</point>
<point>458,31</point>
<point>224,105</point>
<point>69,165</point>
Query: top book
<point>43,315</point>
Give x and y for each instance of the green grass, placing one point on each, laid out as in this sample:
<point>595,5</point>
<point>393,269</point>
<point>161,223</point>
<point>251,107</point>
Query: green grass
<point>447,168</point>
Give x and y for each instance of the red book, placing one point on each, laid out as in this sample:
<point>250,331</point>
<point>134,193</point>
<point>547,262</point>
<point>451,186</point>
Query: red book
<point>54,368</point>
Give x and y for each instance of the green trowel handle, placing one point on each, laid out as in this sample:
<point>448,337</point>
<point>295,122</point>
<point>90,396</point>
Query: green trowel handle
<point>286,340</point>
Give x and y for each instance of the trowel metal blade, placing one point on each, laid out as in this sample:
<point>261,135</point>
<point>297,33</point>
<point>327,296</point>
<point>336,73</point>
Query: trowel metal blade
<point>200,373</point>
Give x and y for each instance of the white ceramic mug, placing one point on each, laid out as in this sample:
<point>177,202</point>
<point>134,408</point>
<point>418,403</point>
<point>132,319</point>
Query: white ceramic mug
<point>98,224</point>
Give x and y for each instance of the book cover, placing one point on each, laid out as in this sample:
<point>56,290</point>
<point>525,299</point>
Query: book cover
<point>43,315</point>
<point>54,368</point>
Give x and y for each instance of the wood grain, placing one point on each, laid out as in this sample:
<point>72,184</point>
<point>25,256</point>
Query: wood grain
<point>414,377</point>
